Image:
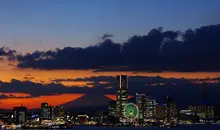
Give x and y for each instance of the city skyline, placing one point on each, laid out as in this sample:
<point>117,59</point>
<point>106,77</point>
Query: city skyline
<point>144,111</point>
<point>120,94</point>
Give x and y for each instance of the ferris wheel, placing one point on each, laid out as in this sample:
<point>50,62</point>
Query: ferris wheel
<point>131,111</point>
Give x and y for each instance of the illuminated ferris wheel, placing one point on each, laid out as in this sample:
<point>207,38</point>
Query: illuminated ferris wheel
<point>131,111</point>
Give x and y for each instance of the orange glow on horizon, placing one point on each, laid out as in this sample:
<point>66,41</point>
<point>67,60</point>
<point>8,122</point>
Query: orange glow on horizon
<point>76,83</point>
<point>9,72</point>
<point>35,102</point>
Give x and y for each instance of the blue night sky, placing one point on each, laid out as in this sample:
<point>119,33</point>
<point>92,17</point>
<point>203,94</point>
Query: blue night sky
<point>27,25</point>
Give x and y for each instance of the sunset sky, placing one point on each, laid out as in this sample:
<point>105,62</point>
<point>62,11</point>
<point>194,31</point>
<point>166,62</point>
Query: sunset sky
<point>42,25</point>
<point>112,37</point>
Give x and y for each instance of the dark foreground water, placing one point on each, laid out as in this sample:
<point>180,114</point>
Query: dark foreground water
<point>185,127</point>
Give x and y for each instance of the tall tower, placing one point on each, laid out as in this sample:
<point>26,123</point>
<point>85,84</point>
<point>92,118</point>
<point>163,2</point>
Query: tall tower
<point>45,111</point>
<point>59,111</point>
<point>20,114</point>
<point>171,111</point>
<point>141,103</point>
<point>204,104</point>
<point>111,108</point>
<point>150,108</point>
<point>121,94</point>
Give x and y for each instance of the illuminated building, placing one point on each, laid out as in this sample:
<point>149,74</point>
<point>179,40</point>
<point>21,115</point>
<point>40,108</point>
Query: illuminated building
<point>146,105</point>
<point>150,108</point>
<point>58,111</point>
<point>51,109</point>
<point>203,111</point>
<point>141,103</point>
<point>121,94</point>
<point>186,112</point>
<point>187,117</point>
<point>111,108</point>
<point>83,119</point>
<point>172,112</point>
<point>45,111</point>
<point>20,114</point>
<point>161,111</point>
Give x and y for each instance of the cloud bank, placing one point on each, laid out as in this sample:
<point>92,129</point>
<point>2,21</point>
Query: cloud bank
<point>192,50</point>
<point>157,87</point>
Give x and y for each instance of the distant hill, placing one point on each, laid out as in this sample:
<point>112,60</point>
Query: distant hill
<point>90,104</point>
<point>88,100</point>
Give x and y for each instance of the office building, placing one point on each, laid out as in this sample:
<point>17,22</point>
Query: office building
<point>52,114</point>
<point>20,114</point>
<point>172,112</point>
<point>58,111</point>
<point>161,111</point>
<point>141,103</point>
<point>150,108</point>
<point>111,108</point>
<point>83,119</point>
<point>203,111</point>
<point>45,112</point>
<point>121,95</point>
<point>186,112</point>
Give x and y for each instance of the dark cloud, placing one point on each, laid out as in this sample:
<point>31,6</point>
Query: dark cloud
<point>192,50</point>
<point>107,36</point>
<point>2,51</point>
<point>9,53</point>
<point>156,87</point>
<point>38,89</point>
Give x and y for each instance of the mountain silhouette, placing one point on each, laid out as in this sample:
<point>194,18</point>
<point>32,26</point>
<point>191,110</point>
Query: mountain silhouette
<point>88,101</point>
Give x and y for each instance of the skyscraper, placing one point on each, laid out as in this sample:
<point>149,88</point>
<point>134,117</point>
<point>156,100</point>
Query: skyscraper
<point>121,94</point>
<point>203,112</point>
<point>150,108</point>
<point>20,114</point>
<point>45,111</point>
<point>171,111</point>
<point>111,108</point>
<point>141,103</point>
<point>204,103</point>
<point>52,115</point>
<point>59,111</point>
<point>161,111</point>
